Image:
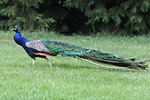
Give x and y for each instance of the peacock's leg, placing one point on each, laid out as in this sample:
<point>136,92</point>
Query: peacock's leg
<point>48,61</point>
<point>34,62</point>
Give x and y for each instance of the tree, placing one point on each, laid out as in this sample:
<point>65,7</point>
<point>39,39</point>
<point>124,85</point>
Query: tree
<point>130,16</point>
<point>24,11</point>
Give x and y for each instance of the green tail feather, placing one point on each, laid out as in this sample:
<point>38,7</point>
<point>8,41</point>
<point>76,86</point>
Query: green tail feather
<point>108,58</point>
<point>66,49</point>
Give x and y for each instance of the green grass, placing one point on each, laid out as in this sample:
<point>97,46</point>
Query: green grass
<point>70,78</point>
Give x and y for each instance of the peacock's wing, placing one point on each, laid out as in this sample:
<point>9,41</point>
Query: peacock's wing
<point>37,45</point>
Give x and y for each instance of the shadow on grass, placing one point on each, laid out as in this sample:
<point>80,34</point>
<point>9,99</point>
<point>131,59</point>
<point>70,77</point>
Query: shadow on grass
<point>90,67</point>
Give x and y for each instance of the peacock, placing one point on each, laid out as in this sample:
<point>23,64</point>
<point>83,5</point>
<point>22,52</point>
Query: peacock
<point>44,48</point>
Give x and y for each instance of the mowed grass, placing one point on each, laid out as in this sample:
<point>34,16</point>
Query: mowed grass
<point>70,78</point>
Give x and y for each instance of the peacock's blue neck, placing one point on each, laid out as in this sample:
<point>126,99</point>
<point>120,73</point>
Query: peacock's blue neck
<point>22,42</point>
<point>19,39</point>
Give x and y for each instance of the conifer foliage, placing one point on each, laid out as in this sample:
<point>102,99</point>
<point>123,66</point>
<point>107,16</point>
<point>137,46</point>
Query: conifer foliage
<point>27,12</point>
<point>130,16</point>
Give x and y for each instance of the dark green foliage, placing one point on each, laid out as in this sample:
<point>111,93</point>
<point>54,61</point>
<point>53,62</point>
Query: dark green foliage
<point>120,15</point>
<point>65,49</point>
<point>129,16</point>
<point>24,11</point>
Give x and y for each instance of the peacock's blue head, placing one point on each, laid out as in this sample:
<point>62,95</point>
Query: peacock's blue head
<point>15,28</point>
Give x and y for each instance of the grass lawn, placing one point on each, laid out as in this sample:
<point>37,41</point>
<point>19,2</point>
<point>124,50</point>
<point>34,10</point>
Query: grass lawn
<point>70,78</point>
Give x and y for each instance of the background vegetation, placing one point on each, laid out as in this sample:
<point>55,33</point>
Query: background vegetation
<point>86,16</point>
